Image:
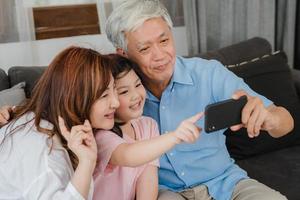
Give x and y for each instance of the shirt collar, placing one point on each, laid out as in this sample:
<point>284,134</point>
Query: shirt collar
<point>181,75</point>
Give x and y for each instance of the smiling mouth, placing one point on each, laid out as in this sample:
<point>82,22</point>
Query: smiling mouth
<point>110,115</point>
<point>136,106</point>
<point>161,67</point>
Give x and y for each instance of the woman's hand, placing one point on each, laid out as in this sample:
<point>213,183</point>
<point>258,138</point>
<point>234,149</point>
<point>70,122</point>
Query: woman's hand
<point>80,140</point>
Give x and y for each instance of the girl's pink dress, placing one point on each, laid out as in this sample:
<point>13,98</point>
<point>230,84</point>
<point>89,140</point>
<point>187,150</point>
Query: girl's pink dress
<point>116,182</point>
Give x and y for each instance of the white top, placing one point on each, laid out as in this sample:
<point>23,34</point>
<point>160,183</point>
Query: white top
<point>28,170</point>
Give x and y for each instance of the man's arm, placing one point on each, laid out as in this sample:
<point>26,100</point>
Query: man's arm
<point>277,121</point>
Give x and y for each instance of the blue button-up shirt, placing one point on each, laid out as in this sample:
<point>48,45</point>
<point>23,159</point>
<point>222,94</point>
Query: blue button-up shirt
<point>196,83</point>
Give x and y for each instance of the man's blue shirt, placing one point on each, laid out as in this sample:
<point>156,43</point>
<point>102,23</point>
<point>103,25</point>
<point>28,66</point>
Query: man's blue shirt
<point>196,83</point>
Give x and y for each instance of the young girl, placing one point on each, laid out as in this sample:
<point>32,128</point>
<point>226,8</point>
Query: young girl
<point>43,156</point>
<point>127,158</point>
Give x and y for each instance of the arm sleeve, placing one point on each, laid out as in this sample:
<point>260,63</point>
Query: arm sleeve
<point>50,186</point>
<point>107,142</point>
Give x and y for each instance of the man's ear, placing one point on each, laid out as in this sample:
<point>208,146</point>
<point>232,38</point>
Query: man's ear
<point>121,52</point>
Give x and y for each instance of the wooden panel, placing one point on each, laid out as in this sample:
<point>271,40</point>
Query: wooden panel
<point>65,21</point>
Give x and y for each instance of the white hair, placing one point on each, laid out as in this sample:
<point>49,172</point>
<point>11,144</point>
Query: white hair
<point>129,16</point>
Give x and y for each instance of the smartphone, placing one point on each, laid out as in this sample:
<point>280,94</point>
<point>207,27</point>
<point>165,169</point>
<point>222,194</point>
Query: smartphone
<point>223,114</point>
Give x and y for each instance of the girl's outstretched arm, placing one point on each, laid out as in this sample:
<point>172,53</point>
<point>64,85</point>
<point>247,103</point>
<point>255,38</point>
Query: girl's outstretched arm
<point>142,152</point>
<point>147,184</point>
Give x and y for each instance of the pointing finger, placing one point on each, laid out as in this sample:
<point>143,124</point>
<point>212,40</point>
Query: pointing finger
<point>195,118</point>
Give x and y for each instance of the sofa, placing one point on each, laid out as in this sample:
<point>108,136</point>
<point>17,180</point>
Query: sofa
<point>274,162</point>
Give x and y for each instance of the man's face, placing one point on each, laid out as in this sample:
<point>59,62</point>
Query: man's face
<point>151,46</point>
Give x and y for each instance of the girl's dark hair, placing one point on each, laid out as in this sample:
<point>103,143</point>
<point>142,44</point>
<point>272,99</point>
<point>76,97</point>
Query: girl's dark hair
<point>120,69</point>
<point>71,84</point>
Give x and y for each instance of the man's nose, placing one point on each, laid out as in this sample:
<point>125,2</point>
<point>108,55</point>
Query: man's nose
<point>157,53</point>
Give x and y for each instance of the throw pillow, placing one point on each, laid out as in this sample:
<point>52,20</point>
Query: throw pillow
<point>13,96</point>
<point>269,76</point>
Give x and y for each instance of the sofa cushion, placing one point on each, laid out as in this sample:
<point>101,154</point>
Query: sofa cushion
<point>13,96</point>
<point>279,170</point>
<point>271,77</point>
<point>27,74</point>
<point>4,83</point>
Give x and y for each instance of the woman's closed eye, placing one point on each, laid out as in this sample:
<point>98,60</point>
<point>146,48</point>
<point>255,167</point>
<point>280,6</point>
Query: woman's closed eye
<point>104,95</point>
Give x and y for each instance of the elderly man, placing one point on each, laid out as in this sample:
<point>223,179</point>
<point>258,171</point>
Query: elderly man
<point>178,88</point>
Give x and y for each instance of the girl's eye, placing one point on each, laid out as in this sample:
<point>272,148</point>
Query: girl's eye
<point>123,92</point>
<point>138,85</point>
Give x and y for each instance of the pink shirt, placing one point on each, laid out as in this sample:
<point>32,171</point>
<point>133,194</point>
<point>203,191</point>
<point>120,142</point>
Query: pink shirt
<point>117,182</point>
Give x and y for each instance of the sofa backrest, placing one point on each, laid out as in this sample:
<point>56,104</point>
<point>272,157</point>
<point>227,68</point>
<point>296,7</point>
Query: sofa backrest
<point>29,75</point>
<point>4,82</point>
<point>240,52</point>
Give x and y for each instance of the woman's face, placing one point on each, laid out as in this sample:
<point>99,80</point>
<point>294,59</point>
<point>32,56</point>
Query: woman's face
<point>103,110</point>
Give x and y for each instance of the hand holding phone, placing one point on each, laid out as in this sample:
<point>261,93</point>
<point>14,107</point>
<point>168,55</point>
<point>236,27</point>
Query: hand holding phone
<point>224,114</point>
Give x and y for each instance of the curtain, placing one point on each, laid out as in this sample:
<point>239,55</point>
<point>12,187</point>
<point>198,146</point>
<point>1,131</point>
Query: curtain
<point>8,22</point>
<point>212,24</point>
<point>286,27</point>
<point>297,42</point>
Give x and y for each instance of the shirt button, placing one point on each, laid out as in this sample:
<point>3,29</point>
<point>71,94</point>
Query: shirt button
<point>171,154</point>
<point>182,173</point>
<point>163,107</point>
<point>166,131</point>
<point>173,90</point>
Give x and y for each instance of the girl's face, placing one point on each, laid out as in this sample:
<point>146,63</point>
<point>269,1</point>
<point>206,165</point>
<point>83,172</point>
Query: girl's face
<point>103,110</point>
<point>132,95</point>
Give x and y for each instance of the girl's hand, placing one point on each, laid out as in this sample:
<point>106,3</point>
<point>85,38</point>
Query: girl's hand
<point>80,140</point>
<point>187,131</point>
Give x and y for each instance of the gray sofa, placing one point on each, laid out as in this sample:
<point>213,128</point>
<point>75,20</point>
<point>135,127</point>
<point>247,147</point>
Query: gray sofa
<point>275,162</point>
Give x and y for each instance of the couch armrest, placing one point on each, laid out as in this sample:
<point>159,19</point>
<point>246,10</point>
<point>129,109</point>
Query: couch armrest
<point>296,78</point>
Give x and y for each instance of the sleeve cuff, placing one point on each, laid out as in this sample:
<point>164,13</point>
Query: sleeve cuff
<point>73,191</point>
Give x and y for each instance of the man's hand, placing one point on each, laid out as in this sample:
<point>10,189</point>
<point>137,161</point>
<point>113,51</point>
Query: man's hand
<point>5,114</point>
<point>256,117</point>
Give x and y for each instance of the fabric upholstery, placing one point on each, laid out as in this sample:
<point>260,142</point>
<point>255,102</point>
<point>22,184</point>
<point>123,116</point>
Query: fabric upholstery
<point>272,78</point>
<point>13,96</point>
<point>4,84</point>
<point>27,74</point>
<point>279,170</point>
<point>240,52</point>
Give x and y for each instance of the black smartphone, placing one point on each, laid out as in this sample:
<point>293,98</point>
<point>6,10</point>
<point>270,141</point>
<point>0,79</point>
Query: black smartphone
<point>223,114</point>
